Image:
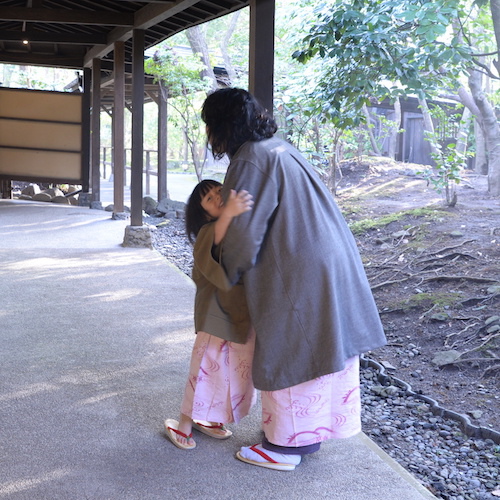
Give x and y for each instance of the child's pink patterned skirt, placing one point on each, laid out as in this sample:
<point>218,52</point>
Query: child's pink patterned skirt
<point>219,386</point>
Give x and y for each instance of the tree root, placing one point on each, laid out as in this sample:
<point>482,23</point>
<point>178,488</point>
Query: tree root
<point>446,249</point>
<point>475,279</point>
<point>457,333</point>
<point>490,370</point>
<point>452,257</point>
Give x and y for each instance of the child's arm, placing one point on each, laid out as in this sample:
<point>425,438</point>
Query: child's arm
<point>236,204</point>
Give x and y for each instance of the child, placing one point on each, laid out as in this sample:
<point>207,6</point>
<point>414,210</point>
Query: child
<point>219,389</point>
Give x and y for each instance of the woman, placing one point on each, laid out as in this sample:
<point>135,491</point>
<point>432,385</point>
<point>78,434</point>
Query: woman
<point>309,300</point>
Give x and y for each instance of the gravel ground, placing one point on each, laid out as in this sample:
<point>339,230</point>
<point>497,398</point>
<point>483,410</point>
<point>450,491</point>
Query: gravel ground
<point>419,435</point>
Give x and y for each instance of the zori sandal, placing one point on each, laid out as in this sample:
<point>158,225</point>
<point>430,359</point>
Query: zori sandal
<point>217,431</point>
<point>171,427</point>
<point>254,455</point>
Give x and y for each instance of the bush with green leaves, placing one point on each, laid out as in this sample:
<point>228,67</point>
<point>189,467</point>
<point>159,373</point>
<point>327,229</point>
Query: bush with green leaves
<point>445,175</point>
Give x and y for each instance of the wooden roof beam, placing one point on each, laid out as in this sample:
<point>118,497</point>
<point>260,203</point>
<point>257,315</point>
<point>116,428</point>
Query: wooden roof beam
<point>62,38</point>
<point>70,62</point>
<point>66,16</point>
<point>144,18</point>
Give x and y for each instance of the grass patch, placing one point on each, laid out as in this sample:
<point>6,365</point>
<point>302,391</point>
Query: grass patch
<point>441,301</point>
<point>365,225</point>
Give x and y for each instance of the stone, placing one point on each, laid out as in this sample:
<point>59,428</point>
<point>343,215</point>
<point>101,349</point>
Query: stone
<point>61,199</point>
<point>476,414</point>
<point>401,234</point>
<point>167,205</point>
<point>111,208</point>
<point>491,319</point>
<point>138,237</point>
<point>493,329</point>
<point>30,190</point>
<point>42,197</point>
<point>120,216</point>
<point>53,192</point>
<point>387,365</point>
<point>149,205</point>
<point>445,357</point>
<point>439,317</point>
<point>84,200</point>
<point>96,205</point>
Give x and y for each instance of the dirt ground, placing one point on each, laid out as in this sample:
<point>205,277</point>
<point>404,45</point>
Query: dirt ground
<point>435,275</point>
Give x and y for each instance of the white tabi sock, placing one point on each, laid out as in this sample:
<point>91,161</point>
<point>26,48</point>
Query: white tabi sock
<point>247,452</point>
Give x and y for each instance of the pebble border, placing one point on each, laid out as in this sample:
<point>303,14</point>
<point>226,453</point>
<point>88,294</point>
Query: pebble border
<point>467,427</point>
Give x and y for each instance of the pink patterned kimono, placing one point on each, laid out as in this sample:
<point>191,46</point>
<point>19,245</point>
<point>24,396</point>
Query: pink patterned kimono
<point>220,389</point>
<point>328,407</point>
<point>219,386</point>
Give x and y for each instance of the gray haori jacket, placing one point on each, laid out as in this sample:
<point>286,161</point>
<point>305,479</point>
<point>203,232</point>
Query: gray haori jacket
<point>308,295</point>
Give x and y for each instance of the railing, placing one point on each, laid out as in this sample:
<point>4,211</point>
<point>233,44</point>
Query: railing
<point>149,167</point>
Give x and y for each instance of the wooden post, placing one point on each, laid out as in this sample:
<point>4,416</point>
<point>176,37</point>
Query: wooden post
<point>96,131</point>
<point>83,198</point>
<point>137,128</point>
<point>118,155</point>
<point>5,189</point>
<point>261,64</point>
<point>162,146</point>
<point>148,172</point>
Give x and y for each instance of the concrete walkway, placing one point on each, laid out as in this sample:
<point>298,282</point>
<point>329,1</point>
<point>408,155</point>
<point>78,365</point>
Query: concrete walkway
<point>95,342</point>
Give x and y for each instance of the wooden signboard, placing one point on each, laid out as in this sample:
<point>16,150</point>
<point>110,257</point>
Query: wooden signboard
<point>41,136</point>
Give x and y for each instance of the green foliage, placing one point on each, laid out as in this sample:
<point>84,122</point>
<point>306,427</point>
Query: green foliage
<point>446,174</point>
<point>376,49</point>
<point>184,90</point>
<point>179,76</point>
<point>35,77</point>
<point>449,161</point>
<point>356,143</point>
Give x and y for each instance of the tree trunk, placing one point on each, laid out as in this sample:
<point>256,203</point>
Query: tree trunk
<point>7,75</point>
<point>481,158</point>
<point>463,131</point>
<point>495,17</point>
<point>231,72</point>
<point>491,131</point>
<point>393,136</point>
<point>199,46</point>
<point>369,128</point>
<point>428,124</point>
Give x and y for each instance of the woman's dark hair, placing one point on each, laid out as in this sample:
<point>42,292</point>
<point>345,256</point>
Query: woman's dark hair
<point>233,117</point>
<point>196,215</point>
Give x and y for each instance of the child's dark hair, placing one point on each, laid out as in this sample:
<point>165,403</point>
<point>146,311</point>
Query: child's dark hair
<point>196,215</point>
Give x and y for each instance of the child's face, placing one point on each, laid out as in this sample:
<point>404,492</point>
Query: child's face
<point>212,202</point>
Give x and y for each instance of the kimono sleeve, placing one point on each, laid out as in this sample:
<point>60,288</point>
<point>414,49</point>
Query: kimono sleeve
<point>246,234</point>
<point>205,262</point>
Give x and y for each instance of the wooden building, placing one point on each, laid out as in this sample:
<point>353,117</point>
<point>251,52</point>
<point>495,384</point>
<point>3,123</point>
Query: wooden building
<point>54,137</point>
